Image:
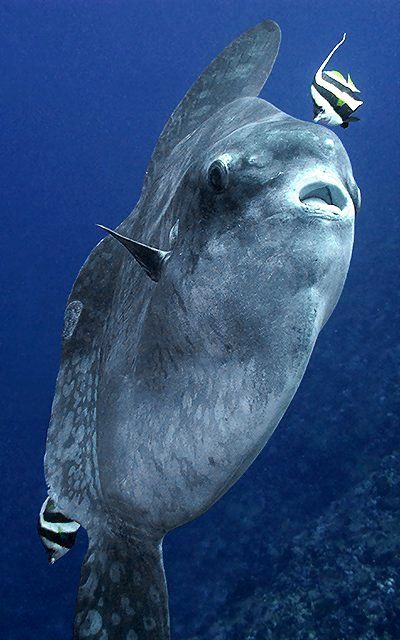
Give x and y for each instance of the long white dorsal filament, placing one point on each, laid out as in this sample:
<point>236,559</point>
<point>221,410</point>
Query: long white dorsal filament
<point>329,56</point>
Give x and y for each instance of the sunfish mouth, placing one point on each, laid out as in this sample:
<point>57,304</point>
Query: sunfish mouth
<point>325,198</point>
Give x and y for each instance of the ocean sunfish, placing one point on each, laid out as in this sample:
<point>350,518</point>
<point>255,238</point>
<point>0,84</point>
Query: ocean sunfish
<point>189,328</point>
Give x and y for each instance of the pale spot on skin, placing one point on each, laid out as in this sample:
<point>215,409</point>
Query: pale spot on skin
<point>91,582</point>
<point>149,623</point>
<point>115,572</point>
<point>115,618</point>
<point>136,577</point>
<point>71,317</point>
<point>92,624</point>
<point>154,594</point>
<point>126,606</point>
<point>66,390</point>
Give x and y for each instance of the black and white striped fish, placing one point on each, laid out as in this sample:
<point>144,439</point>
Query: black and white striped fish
<point>335,99</point>
<point>56,532</point>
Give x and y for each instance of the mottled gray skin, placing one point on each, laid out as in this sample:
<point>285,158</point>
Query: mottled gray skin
<point>168,391</point>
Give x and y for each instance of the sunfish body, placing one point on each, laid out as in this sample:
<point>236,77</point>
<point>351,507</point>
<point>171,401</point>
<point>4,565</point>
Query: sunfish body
<point>170,385</point>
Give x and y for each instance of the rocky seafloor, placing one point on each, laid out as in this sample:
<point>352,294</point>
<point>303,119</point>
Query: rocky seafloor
<point>341,576</point>
<point>307,544</point>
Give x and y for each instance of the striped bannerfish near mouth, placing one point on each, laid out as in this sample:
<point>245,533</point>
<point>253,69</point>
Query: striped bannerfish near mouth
<point>334,98</point>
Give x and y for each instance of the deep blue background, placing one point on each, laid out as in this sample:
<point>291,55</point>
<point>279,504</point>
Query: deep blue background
<point>85,89</point>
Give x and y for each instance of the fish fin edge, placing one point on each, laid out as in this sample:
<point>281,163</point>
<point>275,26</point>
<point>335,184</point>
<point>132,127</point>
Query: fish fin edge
<point>122,590</point>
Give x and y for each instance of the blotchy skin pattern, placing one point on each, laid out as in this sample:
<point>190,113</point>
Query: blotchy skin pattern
<point>167,391</point>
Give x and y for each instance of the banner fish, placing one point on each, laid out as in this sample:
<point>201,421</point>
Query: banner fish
<point>57,533</point>
<point>334,98</point>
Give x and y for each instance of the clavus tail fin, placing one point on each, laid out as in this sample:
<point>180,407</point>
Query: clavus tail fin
<point>122,591</point>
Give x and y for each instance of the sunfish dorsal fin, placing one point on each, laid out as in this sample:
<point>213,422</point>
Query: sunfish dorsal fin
<point>240,70</point>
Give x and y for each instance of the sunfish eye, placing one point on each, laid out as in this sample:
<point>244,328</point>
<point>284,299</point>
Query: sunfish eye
<point>218,175</point>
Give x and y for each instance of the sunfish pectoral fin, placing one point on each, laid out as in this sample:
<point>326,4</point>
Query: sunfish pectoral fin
<point>151,259</point>
<point>122,591</point>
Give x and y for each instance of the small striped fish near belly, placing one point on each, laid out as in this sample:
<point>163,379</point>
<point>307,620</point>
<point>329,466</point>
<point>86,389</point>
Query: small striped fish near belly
<point>335,99</point>
<point>57,533</point>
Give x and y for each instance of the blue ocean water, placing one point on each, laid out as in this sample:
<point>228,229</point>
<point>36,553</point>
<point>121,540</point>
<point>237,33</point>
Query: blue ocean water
<point>86,87</point>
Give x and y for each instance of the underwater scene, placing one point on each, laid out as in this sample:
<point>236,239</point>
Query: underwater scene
<point>217,361</point>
